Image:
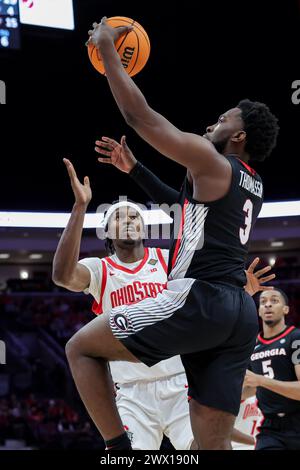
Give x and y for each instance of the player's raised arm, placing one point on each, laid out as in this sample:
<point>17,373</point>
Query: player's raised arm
<point>192,151</point>
<point>67,272</point>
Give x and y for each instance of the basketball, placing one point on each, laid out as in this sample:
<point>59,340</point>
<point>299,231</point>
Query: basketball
<point>133,47</point>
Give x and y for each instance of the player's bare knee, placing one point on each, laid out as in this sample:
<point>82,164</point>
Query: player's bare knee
<point>73,348</point>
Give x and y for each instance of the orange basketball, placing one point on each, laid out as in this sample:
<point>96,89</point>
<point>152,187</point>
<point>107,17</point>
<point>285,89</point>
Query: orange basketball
<point>132,47</point>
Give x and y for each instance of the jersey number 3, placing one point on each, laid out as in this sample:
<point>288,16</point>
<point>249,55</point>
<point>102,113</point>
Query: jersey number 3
<point>245,231</point>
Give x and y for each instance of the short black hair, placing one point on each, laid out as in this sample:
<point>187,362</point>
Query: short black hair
<point>261,127</point>
<point>283,295</point>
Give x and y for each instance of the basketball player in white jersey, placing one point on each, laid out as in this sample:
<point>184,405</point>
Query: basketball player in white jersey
<point>246,425</point>
<point>151,401</point>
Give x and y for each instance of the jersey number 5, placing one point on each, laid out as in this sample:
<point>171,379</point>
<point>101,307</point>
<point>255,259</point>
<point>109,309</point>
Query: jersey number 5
<point>267,369</point>
<point>245,231</point>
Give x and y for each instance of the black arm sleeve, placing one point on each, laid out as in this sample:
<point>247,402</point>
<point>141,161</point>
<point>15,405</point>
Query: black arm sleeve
<point>158,191</point>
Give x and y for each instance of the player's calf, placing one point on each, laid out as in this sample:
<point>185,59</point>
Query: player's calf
<point>212,428</point>
<point>88,352</point>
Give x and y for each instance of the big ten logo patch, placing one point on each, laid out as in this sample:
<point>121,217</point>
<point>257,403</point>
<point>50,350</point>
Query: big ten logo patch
<point>153,262</point>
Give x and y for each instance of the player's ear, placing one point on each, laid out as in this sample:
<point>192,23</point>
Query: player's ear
<point>238,136</point>
<point>286,309</point>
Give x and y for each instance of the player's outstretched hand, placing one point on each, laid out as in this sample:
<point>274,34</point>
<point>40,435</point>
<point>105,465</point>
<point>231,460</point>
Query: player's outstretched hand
<point>82,192</point>
<point>255,281</point>
<point>102,33</point>
<point>116,154</point>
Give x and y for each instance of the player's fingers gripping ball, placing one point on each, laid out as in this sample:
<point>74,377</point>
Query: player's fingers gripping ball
<point>133,47</point>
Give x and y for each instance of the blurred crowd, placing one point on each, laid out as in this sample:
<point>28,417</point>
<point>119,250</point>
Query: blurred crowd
<point>38,403</point>
<point>60,316</point>
<point>45,423</point>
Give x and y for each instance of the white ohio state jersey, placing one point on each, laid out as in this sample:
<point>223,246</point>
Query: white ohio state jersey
<point>249,419</point>
<point>114,283</point>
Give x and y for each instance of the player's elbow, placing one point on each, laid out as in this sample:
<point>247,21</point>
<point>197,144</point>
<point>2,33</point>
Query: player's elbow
<point>67,281</point>
<point>139,117</point>
<point>130,118</point>
<point>59,278</point>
